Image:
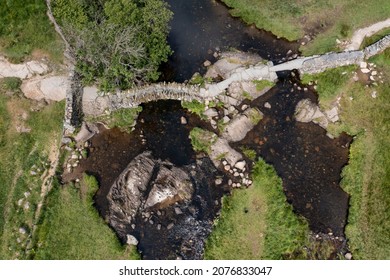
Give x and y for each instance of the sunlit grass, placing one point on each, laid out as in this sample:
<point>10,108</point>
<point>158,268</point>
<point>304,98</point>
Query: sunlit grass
<point>24,28</point>
<point>258,223</point>
<point>73,230</point>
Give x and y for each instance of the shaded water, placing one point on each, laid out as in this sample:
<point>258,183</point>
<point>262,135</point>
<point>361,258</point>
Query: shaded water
<point>201,27</point>
<point>159,130</point>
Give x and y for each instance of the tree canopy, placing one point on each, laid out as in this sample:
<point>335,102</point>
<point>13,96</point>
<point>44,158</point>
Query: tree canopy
<point>117,43</point>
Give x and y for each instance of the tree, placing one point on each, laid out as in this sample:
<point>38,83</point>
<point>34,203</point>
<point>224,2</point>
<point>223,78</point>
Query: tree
<point>118,43</point>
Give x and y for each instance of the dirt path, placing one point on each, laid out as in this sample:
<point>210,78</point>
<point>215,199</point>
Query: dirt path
<point>360,34</point>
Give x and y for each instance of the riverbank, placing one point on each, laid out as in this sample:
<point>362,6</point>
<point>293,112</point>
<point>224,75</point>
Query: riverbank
<point>364,106</point>
<point>320,25</point>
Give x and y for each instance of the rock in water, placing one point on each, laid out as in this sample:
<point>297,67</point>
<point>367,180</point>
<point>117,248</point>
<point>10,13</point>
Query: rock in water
<point>164,209</point>
<point>145,183</point>
<point>126,194</point>
<point>131,240</point>
<point>171,185</point>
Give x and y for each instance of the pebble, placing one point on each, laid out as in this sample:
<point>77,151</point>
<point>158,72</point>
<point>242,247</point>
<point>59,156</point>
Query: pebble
<point>170,226</point>
<point>158,226</point>
<point>227,167</point>
<point>363,64</point>
<point>22,230</point>
<point>178,211</point>
<point>183,120</point>
<point>224,162</point>
<point>267,105</point>
<point>348,256</point>
<point>240,165</point>
<point>218,181</point>
<point>236,174</point>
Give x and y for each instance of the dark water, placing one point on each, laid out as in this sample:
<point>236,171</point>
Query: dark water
<point>307,160</point>
<point>159,130</point>
<point>201,27</point>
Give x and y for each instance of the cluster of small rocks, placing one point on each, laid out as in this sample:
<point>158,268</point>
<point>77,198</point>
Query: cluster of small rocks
<point>374,77</point>
<point>142,137</point>
<point>76,154</point>
<point>239,176</point>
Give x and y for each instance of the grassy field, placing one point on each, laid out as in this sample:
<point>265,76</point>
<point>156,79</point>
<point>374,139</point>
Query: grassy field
<point>258,223</point>
<point>327,19</point>
<point>73,230</point>
<point>367,176</point>
<point>26,31</point>
<point>24,159</point>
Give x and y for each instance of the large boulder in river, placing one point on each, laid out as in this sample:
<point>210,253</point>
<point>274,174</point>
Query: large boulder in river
<point>146,182</point>
<point>126,194</point>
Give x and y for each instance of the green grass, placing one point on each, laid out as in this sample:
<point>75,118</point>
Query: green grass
<point>262,84</point>
<point>374,38</point>
<point>249,153</point>
<point>73,230</point>
<point>24,28</point>
<point>333,19</point>
<point>201,139</point>
<point>124,119</point>
<point>24,157</point>
<point>195,107</point>
<point>10,84</point>
<point>258,223</point>
<point>367,176</point>
<point>329,83</point>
